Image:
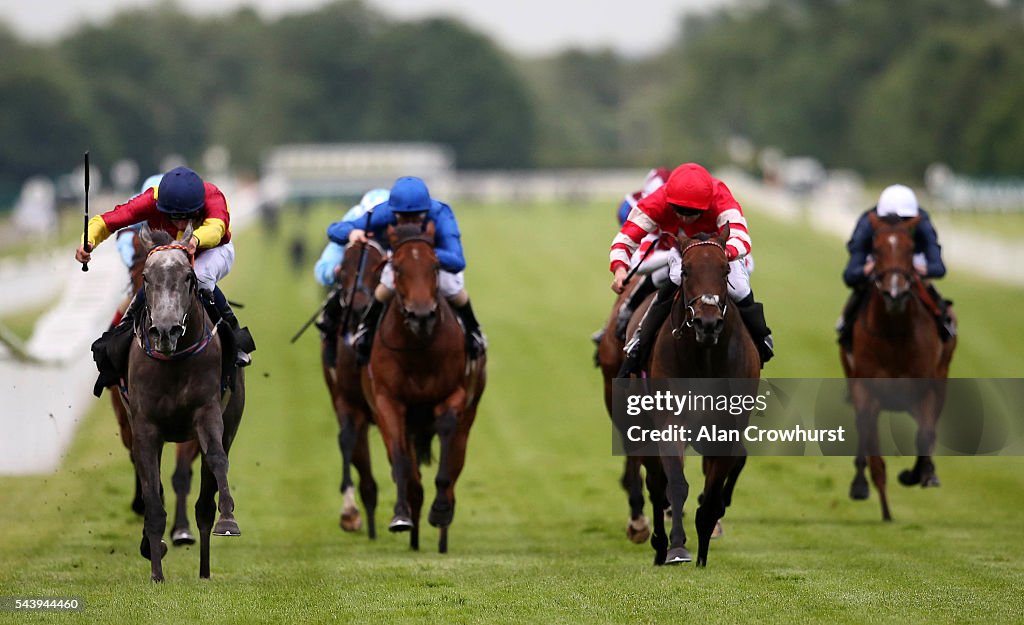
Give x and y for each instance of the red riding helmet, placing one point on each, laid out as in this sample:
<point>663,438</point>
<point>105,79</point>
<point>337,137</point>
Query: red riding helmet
<point>690,186</point>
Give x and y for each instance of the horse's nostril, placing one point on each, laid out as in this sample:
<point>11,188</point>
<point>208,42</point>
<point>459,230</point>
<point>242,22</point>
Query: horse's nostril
<point>153,333</point>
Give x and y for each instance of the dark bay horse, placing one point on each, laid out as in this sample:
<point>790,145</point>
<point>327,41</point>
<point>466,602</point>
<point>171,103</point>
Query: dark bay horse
<point>419,384</point>
<point>344,384</point>
<point>174,392</point>
<point>184,453</point>
<point>895,337</point>
<point>609,359</point>
<point>703,337</point>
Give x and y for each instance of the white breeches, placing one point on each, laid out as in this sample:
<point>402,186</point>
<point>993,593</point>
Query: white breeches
<point>449,284</point>
<point>739,274</point>
<point>213,264</point>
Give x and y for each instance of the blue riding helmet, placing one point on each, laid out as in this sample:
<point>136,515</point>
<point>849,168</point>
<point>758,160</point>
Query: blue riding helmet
<point>181,193</point>
<point>409,195</point>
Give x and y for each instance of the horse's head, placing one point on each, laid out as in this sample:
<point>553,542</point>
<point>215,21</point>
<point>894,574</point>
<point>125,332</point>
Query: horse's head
<point>893,250</point>
<point>416,276</point>
<point>357,286</point>
<point>170,288</point>
<point>705,288</point>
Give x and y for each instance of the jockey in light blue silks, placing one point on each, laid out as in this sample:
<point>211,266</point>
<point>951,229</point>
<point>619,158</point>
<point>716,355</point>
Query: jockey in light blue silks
<point>410,202</point>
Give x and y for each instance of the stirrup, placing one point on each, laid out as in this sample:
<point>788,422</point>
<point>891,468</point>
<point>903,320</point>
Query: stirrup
<point>361,344</point>
<point>632,348</point>
<point>477,344</point>
<point>597,336</point>
<point>242,359</point>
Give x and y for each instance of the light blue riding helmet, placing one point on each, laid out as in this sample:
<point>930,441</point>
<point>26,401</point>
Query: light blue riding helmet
<point>152,181</point>
<point>126,244</point>
<point>371,198</point>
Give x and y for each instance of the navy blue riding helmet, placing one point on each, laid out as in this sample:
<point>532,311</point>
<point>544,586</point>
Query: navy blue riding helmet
<point>181,193</point>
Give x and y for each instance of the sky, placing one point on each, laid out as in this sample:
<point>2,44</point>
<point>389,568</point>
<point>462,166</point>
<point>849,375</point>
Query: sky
<point>525,27</point>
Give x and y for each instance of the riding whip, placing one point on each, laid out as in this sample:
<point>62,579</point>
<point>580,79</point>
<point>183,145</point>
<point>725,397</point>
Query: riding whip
<point>85,223</point>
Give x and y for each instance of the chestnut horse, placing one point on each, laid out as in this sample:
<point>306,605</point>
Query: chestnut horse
<point>184,453</point>
<point>895,336</point>
<point>419,384</point>
<point>356,285</point>
<point>703,337</point>
<point>174,394</point>
<point>609,358</point>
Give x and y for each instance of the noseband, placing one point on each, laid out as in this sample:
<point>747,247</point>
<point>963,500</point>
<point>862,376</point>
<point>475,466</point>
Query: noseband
<point>710,299</point>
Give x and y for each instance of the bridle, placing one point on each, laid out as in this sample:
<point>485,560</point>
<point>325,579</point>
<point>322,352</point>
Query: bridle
<point>710,299</point>
<point>208,333</point>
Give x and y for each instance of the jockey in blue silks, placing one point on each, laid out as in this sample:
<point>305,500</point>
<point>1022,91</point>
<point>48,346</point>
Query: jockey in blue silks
<point>410,202</point>
<point>897,202</point>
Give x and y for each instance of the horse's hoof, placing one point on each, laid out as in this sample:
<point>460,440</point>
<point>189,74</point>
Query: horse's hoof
<point>678,555</point>
<point>400,524</point>
<point>181,537</point>
<point>350,521</point>
<point>441,514</point>
<point>930,480</point>
<point>226,527</point>
<point>719,531</point>
<point>147,552</point>
<point>859,490</point>
<point>638,530</point>
<point>908,477</point>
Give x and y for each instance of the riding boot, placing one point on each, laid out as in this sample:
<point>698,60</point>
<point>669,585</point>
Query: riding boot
<point>110,351</point>
<point>330,319</point>
<point>217,307</point>
<point>845,325</point>
<point>362,341</point>
<point>638,349</point>
<point>946,319</point>
<point>476,342</point>
<point>639,294</point>
<point>752,314</point>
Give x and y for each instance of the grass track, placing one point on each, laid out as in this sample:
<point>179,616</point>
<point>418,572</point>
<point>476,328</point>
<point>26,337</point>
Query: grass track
<point>538,533</point>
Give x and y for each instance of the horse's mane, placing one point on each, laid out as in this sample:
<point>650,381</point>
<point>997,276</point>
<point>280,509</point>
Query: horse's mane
<point>703,236</point>
<point>891,220</point>
<point>160,237</point>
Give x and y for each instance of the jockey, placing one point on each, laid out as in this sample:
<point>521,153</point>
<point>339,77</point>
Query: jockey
<point>326,273</point>
<point>181,199</point>
<point>690,202</point>
<point>410,202</point>
<point>901,202</point>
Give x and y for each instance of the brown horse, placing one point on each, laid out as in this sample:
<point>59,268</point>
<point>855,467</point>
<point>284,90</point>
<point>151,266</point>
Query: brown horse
<point>356,287</point>
<point>174,393</point>
<point>419,384</point>
<point>894,336</point>
<point>609,358</point>
<point>184,453</point>
<point>703,337</point>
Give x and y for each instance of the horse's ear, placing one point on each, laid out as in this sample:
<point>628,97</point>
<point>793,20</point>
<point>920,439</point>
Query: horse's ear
<point>723,234</point>
<point>187,234</point>
<point>911,224</point>
<point>876,221</point>
<point>392,236</point>
<point>146,237</point>
<point>429,231</point>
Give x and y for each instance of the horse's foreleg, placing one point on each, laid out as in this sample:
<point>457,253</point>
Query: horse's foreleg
<point>146,447</point>
<point>349,519</point>
<point>656,487</point>
<point>927,415</point>
<point>712,504</point>
<point>869,450</point>
<point>638,530</point>
<point>367,484</point>
<point>181,480</point>
<point>391,423</point>
<point>210,430</point>
<point>867,426</point>
<point>206,511</point>
<point>678,490</point>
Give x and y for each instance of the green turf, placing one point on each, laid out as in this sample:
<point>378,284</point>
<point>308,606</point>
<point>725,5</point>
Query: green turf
<point>539,529</point>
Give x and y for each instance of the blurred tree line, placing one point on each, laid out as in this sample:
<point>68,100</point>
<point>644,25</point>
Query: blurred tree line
<point>882,87</point>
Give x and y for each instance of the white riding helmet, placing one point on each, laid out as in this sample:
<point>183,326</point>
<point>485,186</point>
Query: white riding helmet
<point>898,200</point>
